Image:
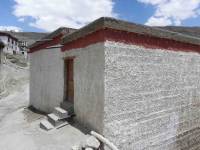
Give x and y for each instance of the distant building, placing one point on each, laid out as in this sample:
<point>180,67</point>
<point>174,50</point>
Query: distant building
<point>23,47</point>
<point>11,43</point>
<point>18,42</point>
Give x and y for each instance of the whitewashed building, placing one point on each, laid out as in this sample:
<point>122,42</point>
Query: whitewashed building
<point>23,46</point>
<point>138,86</point>
<point>11,43</point>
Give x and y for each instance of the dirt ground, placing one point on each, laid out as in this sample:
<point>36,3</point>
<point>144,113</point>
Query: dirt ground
<point>19,126</point>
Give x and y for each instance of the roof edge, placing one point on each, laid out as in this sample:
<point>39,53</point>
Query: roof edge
<point>112,23</point>
<point>8,34</point>
<point>54,34</point>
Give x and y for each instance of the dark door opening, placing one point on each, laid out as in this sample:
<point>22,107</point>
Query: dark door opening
<point>69,76</point>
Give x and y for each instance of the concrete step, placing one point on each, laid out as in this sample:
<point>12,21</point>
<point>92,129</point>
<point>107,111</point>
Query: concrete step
<point>54,119</point>
<point>61,113</point>
<point>46,125</point>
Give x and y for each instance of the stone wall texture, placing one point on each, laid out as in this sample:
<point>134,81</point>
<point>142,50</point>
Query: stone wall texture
<point>152,98</point>
<point>46,79</point>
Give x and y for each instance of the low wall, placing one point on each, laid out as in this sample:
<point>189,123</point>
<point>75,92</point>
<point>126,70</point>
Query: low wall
<point>152,98</point>
<point>46,79</point>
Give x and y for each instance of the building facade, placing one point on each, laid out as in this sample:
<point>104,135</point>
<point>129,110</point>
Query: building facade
<point>11,43</point>
<point>137,85</point>
<point>14,45</point>
<point>48,48</point>
<point>23,45</point>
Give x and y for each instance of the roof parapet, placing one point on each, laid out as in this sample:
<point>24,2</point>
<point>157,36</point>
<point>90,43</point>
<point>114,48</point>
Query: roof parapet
<point>111,23</point>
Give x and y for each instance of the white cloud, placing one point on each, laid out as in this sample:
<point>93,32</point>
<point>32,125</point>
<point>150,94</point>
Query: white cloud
<point>21,19</point>
<point>159,21</point>
<point>51,14</point>
<point>10,28</point>
<point>153,2</point>
<point>172,12</point>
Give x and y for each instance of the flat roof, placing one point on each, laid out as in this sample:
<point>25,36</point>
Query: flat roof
<point>49,37</point>
<point>111,23</point>
<point>2,33</point>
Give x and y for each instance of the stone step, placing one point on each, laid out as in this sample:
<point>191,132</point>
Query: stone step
<point>68,106</point>
<point>61,113</point>
<point>54,119</point>
<point>46,125</point>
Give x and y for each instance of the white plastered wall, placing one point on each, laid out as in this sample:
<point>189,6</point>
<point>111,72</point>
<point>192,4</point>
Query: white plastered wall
<point>46,79</point>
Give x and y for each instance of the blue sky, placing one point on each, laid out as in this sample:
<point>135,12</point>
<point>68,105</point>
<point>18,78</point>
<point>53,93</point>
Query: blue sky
<point>8,19</point>
<point>47,15</point>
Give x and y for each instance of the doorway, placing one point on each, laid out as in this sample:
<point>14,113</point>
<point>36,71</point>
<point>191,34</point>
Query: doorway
<point>69,80</point>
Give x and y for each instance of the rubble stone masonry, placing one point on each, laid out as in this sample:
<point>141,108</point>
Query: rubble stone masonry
<point>152,98</point>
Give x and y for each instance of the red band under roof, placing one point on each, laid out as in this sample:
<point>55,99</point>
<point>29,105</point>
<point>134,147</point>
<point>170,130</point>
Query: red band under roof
<point>54,41</point>
<point>147,41</point>
<point>51,39</point>
<point>110,29</point>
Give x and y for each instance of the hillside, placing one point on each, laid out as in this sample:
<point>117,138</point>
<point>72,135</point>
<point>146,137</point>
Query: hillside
<point>30,37</point>
<point>14,73</point>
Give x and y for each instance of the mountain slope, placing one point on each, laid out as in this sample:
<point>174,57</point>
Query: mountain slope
<point>29,37</point>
